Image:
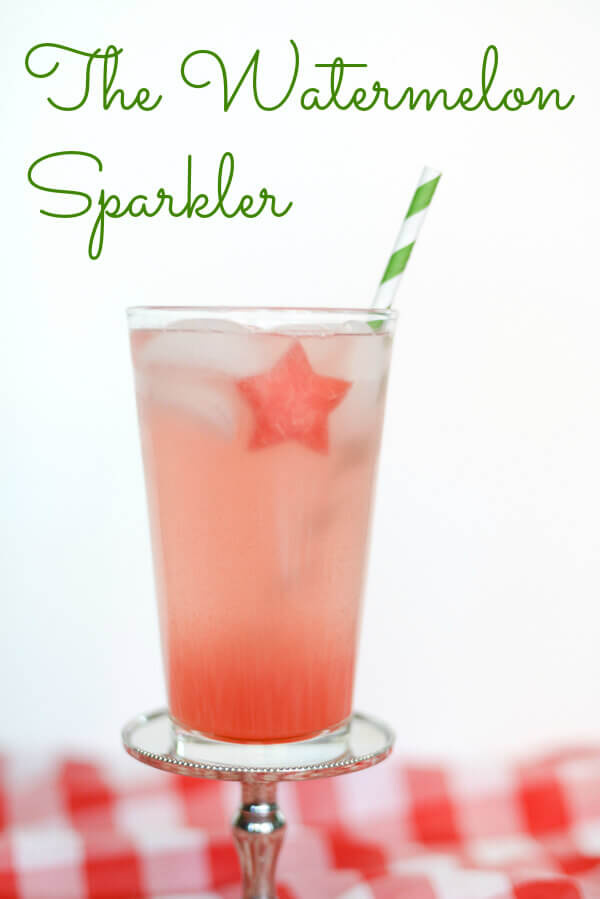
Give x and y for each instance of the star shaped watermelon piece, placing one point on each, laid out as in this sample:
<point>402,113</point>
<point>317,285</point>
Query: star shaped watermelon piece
<point>291,401</point>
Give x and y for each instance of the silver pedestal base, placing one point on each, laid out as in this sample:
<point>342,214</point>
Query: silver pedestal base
<point>259,825</point>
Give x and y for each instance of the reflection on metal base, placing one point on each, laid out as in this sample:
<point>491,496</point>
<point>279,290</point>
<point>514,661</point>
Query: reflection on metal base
<point>259,825</point>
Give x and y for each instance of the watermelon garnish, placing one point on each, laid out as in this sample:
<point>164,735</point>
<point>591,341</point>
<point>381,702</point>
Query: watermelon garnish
<point>290,401</point>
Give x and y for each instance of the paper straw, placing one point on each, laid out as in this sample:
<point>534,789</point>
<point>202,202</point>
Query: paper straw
<point>413,220</point>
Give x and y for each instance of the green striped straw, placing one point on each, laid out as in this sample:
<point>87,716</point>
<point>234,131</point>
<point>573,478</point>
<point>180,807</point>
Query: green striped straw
<point>413,220</point>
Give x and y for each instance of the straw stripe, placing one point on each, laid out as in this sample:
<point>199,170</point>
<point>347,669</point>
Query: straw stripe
<point>412,226</point>
<point>397,262</point>
<point>406,240</point>
<point>423,196</point>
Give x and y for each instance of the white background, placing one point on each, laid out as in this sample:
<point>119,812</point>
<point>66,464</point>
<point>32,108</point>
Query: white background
<point>482,621</point>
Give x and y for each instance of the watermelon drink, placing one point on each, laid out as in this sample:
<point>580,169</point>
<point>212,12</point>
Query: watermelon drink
<point>260,436</point>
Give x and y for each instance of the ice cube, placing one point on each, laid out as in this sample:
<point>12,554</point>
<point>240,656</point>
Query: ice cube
<point>212,404</point>
<point>320,329</point>
<point>348,356</point>
<point>357,415</point>
<point>237,352</point>
<point>222,325</point>
<point>364,362</point>
<point>356,327</point>
<point>309,329</point>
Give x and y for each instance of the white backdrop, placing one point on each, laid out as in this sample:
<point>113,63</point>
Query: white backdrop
<point>482,624</point>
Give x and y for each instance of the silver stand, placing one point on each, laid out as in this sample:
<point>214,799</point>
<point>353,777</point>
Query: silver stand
<point>259,825</point>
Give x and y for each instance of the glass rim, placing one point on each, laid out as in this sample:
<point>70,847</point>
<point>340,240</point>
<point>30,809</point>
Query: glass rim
<point>320,310</point>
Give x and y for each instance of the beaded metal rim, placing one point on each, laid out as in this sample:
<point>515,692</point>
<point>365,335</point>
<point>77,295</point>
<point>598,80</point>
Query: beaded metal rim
<point>179,765</point>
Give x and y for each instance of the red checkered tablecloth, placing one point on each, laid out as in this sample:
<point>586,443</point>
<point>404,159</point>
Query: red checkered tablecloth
<point>74,829</point>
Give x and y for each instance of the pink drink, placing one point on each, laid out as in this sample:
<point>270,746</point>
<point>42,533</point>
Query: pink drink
<point>260,450</point>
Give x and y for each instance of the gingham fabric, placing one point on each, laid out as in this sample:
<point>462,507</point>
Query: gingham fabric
<point>77,829</point>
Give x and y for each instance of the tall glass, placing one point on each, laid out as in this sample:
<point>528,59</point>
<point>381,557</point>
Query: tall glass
<point>260,433</point>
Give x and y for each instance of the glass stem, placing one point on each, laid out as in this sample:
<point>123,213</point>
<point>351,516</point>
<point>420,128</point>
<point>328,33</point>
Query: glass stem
<point>258,830</point>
